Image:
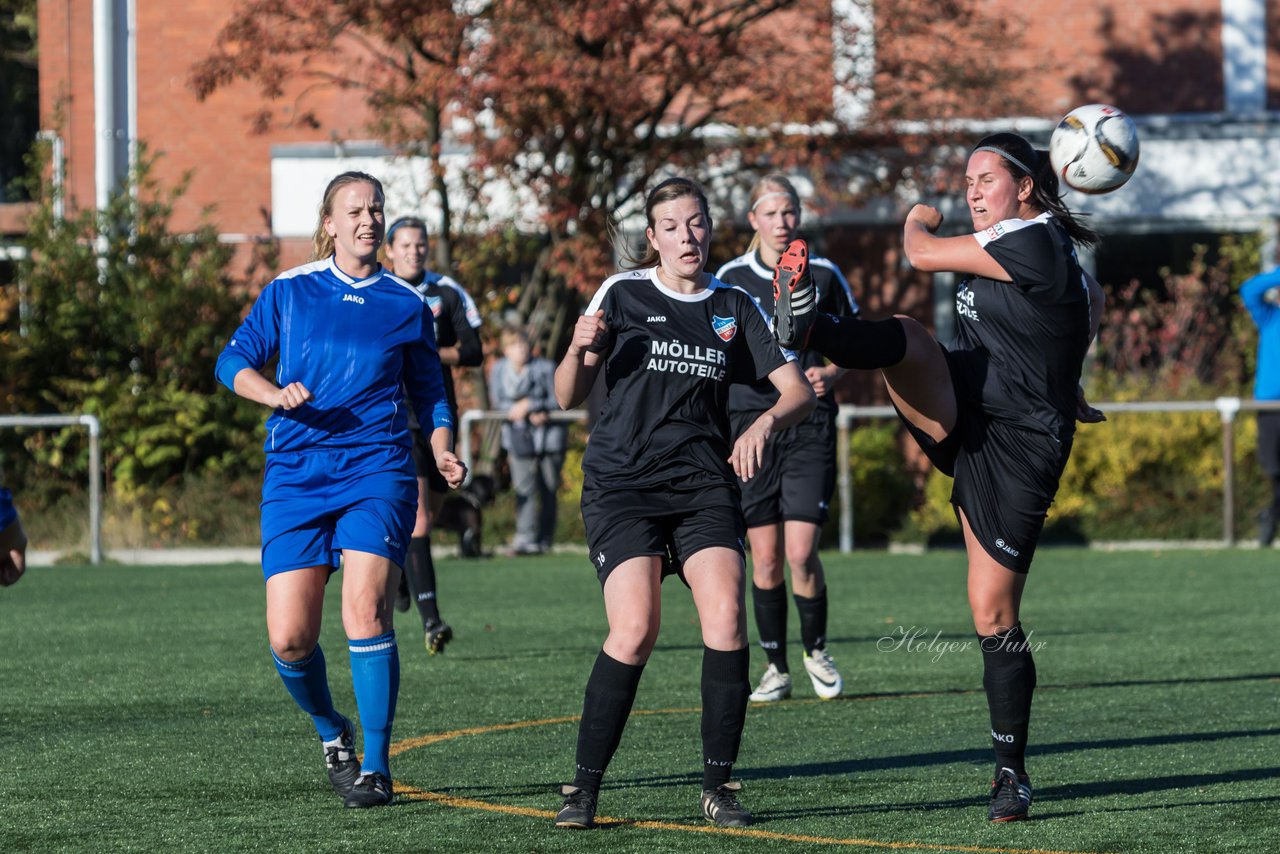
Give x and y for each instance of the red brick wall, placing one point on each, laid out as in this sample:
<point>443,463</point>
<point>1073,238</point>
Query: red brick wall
<point>230,167</point>
<point>1145,56</point>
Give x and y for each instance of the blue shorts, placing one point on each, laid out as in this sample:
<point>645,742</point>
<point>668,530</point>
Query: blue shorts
<point>316,503</point>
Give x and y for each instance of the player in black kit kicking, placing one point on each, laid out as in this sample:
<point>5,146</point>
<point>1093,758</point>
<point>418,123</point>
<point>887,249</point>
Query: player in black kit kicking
<point>996,408</point>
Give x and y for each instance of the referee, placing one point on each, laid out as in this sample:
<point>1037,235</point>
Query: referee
<point>660,476</point>
<point>456,321</point>
<point>996,408</point>
<point>786,505</point>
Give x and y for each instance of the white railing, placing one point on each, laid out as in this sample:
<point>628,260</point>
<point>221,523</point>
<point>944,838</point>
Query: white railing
<point>1227,408</point>
<point>95,465</point>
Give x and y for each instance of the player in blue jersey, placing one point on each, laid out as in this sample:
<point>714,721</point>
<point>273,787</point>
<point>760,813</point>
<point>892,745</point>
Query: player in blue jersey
<point>339,483</point>
<point>13,540</point>
<point>1261,296</point>
<point>456,321</point>
<point>660,481</point>
<point>786,505</point>
<point>996,408</point>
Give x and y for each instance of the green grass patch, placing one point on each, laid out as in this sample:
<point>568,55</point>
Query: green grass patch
<point>143,714</point>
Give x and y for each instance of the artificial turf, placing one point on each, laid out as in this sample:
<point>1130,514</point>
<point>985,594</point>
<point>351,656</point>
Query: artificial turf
<point>142,713</point>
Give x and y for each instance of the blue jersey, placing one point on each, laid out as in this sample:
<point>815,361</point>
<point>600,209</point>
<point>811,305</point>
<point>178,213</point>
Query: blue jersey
<point>1266,314</point>
<point>351,343</point>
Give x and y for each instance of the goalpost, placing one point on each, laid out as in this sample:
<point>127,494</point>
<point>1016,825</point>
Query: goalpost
<point>94,426</point>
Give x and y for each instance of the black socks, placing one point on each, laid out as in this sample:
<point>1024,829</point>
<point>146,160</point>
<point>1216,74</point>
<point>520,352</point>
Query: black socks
<point>771,622</point>
<point>813,620</point>
<point>724,712</point>
<point>421,573</point>
<point>1009,678</point>
<point>611,690</point>
<point>851,342</point>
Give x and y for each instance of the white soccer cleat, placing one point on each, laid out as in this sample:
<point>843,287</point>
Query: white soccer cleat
<point>774,685</point>
<point>826,679</point>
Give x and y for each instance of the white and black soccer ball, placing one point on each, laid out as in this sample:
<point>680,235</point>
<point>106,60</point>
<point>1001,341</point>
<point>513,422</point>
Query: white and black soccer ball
<point>1094,149</point>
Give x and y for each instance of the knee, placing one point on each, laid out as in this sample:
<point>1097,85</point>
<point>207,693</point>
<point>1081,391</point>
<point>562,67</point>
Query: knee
<point>804,562</point>
<point>724,625</point>
<point>632,640</point>
<point>766,571</point>
<point>292,645</point>
<point>993,620</point>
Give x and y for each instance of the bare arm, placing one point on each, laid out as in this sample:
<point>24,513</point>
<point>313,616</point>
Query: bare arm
<point>451,468</point>
<point>252,385</point>
<point>577,371</point>
<point>932,254</point>
<point>795,401</point>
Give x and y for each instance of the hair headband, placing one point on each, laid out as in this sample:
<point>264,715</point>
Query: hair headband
<point>775,193</point>
<point>1007,156</point>
<point>412,222</point>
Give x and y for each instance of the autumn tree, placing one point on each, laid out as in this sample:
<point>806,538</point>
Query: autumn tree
<point>407,58</point>
<point>581,104</point>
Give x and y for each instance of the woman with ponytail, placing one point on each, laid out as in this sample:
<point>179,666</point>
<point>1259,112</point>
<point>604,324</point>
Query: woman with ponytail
<point>785,506</point>
<point>339,484</point>
<point>995,408</point>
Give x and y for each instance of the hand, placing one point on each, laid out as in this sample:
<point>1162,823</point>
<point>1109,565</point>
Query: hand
<point>1085,413</point>
<point>748,451</point>
<point>13,562</point>
<point>452,469</point>
<point>926,216</point>
<point>588,334</point>
<point>519,410</point>
<point>822,378</point>
<point>292,396</point>
<point>537,419</point>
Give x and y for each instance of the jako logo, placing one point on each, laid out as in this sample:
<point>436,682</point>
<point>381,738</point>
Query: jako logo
<point>657,318</point>
<point>1001,737</point>
<point>1005,547</point>
<point>352,298</point>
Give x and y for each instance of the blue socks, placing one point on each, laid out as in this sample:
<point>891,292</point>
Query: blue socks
<point>375,676</point>
<point>308,683</point>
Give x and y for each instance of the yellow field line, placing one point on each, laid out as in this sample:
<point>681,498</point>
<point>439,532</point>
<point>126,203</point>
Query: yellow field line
<point>528,812</point>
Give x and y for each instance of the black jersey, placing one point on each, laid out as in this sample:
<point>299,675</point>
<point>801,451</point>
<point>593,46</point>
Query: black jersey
<point>669,361</point>
<point>834,297</point>
<point>1020,346</point>
<point>456,321</point>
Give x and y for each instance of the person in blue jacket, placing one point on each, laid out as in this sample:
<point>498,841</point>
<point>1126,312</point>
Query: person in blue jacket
<point>13,541</point>
<point>1261,296</point>
<point>339,483</point>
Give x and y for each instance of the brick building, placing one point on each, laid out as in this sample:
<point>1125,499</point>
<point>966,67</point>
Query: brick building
<point>1202,78</point>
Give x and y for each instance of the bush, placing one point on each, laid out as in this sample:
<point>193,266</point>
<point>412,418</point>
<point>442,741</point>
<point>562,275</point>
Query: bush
<point>129,334</point>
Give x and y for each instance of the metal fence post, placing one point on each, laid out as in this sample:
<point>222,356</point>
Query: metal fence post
<point>843,420</point>
<point>1227,408</point>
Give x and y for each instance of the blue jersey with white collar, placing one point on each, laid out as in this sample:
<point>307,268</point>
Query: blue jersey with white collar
<point>351,343</point>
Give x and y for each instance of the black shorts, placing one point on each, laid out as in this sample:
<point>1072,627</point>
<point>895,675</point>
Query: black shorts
<point>797,478</point>
<point>424,462</point>
<point>667,523</point>
<point>1005,479</point>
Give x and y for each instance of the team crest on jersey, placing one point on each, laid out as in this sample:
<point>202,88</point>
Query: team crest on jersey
<point>435,304</point>
<point>725,327</point>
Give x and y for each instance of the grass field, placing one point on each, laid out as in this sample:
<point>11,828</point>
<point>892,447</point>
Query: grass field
<point>142,713</point>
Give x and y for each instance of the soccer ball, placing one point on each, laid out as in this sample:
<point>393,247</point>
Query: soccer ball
<point>1094,149</point>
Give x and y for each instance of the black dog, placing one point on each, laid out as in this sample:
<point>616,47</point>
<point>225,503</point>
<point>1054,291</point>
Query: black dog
<point>462,512</point>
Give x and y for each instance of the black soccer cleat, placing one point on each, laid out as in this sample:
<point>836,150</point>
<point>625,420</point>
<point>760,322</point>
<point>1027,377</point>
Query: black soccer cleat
<point>435,635</point>
<point>795,297</point>
<point>721,806</point>
<point>579,810</point>
<point>341,762</point>
<point>370,790</point>
<point>1010,796</point>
